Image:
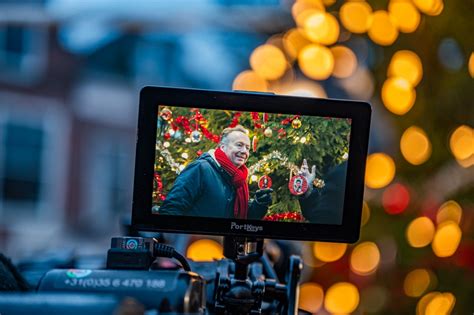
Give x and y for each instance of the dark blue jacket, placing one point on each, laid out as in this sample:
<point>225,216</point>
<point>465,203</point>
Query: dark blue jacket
<point>205,189</point>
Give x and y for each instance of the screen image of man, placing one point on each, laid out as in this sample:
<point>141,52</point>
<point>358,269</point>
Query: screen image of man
<point>215,184</point>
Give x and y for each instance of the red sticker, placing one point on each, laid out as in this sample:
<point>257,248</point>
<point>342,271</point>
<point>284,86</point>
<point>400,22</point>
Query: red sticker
<point>264,182</point>
<point>298,185</point>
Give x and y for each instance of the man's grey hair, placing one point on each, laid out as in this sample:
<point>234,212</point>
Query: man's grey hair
<point>225,133</point>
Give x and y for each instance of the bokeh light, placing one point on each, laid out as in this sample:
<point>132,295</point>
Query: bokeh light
<point>268,61</point>
<point>446,239</point>
<point>398,95</point>
<point>436,303</point>
<point>365,214</point>
<point>471,65</point>
<point>380,170</point>
<point>382,30</point>
<point>365,258</point>
<point>449,211</point>
<point>322,28</point>
<point>415,145</point>
<point>360,85</point>
<point>316,61</point>
<point>417,282</point>
<point>420,232</point>
<point>311,297</point>
<point>395,199</point>
<point>305,88</point>
<point>329,252</point>
<point>405,15</point>
<point>345,61</point>
<point>249,80</point>
<point>293,42</point>
<point>303,8</point>
<point>406,64</point>
<point>423,302</point>
<point>204,250</point>
<point>430,7</point>
<point>356,16</point>
<point>342,298</point>
<point>461,142</point>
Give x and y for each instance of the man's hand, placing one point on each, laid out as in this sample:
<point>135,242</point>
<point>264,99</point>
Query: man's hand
<point>310,176</point>
<point>264,196</point>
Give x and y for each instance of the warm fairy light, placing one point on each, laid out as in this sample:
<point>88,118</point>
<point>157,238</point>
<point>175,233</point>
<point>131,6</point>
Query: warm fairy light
<point>293,42</point>
<point>302,8</point>
<point>380,170</point>
<point>405,15</point>
<point>268,61</point>
<point>395,199</point>
<point>365,214</point>
<point>417,282</point>
<point>329,252</point>
<point>449,211</point>
<point>440,304</point>
<point>253,178</point>
<point>250,81</point>
<point>461,142</point>
<point>420,232</point>
<point>423,302</point>
<point>204,250</point>
<point>406,64</point>
<point>446,239</point>
<point>316,61</point>
<point>356,16</point>
<point>341,298</point>
<point>166,144</point>
<point>185,155</point>
<point>322,28</point>
<point>311,297</point>
<point>303,140</point>
<point>471,65</point>
<point>365,258</point>
<point>382,31</point>
<point>345,61</point>
<point>305,88</point>
<point>415,145</point>
<point>430,7</point>
<point>398,95</point>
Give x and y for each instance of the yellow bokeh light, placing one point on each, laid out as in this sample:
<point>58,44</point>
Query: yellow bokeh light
<point>449,211</point>
<point>446,239</point>
<point>250,81</point>
<point>345,61</point>
<point>406,64</point>
<point>321,28</point>
<point>329,252</point>
<point>268,61</point>
<point>430,7</point>
<point>342,298</point>
<point>380,170</point>
<point>423,302</point>
<point>405,15</point>
<point>415,145</point>
<point>311,297</point>
<point>365,214</point>
<point>316,61</point>
<point>204,250</point>
<point>365,258</point>
<point>356,16</point>
<point>420,232</point>
<point>302,8</point>
<point>329,2</point>
<point>471,65</point>
<point>293,42</point>
<point>382,30</point>
<point>305,89</point>
<point>398,95</point>
<point>440,304</point>
<point>461,142</point>
<point>417,282</point>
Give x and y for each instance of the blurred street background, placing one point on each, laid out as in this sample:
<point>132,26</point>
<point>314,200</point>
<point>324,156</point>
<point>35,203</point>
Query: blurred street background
<point>70,75</point>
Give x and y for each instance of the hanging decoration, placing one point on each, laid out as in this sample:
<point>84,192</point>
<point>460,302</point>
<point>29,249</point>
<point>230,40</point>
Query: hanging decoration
<point>264,182</point>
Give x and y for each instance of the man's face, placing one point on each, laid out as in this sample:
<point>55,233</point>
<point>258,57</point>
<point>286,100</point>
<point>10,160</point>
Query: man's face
<point>237,148</point>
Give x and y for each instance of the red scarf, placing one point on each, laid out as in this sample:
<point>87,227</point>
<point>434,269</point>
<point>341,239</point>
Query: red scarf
<point>239,180</point>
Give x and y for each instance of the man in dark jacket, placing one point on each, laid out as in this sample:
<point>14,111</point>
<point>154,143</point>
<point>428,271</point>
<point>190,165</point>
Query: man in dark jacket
<point>215,184</point>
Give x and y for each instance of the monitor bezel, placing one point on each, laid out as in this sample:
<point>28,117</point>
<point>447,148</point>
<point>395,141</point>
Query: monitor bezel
<point>151,97</point>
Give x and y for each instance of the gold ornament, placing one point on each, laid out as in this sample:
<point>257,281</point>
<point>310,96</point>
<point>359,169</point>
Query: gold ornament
<point>268,132</point>
<point>296,123</point>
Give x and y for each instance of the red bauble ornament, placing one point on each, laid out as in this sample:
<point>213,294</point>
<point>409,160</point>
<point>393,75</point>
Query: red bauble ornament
<point>167,136</point>
<point>264,182</point>
<point>298,185</point>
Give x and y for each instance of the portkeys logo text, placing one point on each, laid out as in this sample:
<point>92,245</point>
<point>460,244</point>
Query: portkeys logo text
<point>246,227</point>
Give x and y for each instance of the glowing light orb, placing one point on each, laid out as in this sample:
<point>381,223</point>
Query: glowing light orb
<point>406,64</point>
<point>405,15</point>
<point>415,145</point>
<point>341,298</point>
<point>461,142</point>
<point>446,239</point>
<point>417,282</point>
<point>420,232</point>
<point>305,89</point>
<point>302,7</point>
<point>449,211</point>
<point>311,297</point>
<point>365,258</point>
<point>440,303</point>
<point>249,80</point>
<point>382,31</point>
<point>430,7</point>
<point>471,65</point>
<point>345,61</point>
<point>398,95</point>
<point>380,170</point>
<point>268,61</point>
<point>293,42</point>
<point>356,16</point>
<point>204,250</point>
<point>329,252</point>
<point>322,28</point>
<point>395,199</point>
<point>316,61</point>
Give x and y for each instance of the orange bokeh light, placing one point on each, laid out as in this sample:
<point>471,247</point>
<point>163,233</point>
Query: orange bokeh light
<point>345,61</point>
<point>250,81</point>
<point>405,15</point>
<point>398,95</point>
<point>382,30</point>
<point>380,170</point>
<point>356,16</point>
<point>316,61</point>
